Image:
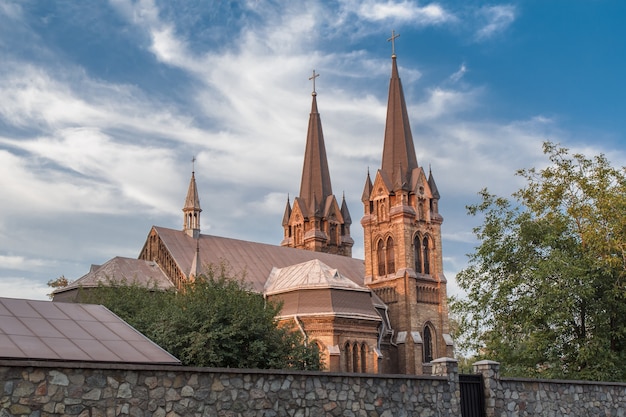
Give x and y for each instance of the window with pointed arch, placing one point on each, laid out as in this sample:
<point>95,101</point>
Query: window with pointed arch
<point>390,255</point>
<point>347,350</point>
<point>364,358</point>
<point>426,255</point>
<point>356,360</point>
<point>428,344</point>
<point>380,258</point>
<point>417,253</point>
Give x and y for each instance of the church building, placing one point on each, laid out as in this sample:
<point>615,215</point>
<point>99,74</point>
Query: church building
<point>385,314</point>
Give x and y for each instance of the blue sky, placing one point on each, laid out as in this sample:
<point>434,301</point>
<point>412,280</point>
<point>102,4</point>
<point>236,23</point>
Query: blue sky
<point>103,104</point>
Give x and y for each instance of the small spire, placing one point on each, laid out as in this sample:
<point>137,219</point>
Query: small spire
<point>287,214</point>
<point>394,35</point>
<point>367,189</point>
<point>345,213</point>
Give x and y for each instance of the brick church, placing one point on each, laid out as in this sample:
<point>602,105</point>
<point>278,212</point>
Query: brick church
<point>385,314</point>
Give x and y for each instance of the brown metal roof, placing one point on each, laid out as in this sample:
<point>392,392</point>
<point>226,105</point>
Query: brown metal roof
<point>32,329</point>
<point>328,302</point>
<point>253,259</point>
<point>134,271</point>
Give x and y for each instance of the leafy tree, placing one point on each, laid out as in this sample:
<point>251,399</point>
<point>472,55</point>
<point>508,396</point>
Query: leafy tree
<point>546,285</point>
<point>213,321</point>
<point>60,282</point>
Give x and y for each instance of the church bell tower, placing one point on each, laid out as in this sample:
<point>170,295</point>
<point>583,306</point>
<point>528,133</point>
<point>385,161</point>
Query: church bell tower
<point>402,230</point>
<point>316,222</point>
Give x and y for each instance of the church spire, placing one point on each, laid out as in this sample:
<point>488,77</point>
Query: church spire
<point>398,150</point>
<point>315,174</point>
<point>191,210</point>
<point>316,222</point>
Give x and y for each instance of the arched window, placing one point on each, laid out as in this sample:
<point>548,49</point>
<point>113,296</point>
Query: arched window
<point>380,256</point>
<point>417,251</point>
<point>428,345</point>
<point>391,263</point>
<point>363,358</point>
<point>355,358</point>
<point>348,356</point>
<point>426,256</point>
<point>333,234</point>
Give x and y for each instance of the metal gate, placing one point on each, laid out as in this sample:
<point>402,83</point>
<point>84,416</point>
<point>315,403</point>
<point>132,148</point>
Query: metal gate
<point>472,395</point>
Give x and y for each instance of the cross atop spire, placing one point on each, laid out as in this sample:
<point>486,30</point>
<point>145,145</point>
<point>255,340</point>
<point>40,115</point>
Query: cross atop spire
<point>193,164</point>
<point>394,35</point>
<point>313,77</point>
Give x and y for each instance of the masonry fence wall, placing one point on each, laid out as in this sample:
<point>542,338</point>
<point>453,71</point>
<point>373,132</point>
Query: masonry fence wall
<point>40,389</point>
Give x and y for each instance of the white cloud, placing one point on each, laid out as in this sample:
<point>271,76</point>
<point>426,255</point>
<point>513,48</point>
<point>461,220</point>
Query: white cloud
<point>498,18</point>
<point>404,11</point>
<point>456,77</point>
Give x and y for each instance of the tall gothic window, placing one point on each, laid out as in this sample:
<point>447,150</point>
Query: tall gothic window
<point>426,256</point>
<point>391,263</point>
<point>380,255</point>
<point>428,345</point>
<point>355,357</point>
<point>363,356</point>
<point>417,251</point>
<point>348,356</point>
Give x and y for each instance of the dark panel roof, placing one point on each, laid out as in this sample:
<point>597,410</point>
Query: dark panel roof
<point>253,259</point>
<point>32,329</point>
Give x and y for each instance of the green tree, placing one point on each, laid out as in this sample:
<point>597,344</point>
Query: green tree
<point>546,285</point>
<point>213,321</point>
<point>60,282</point>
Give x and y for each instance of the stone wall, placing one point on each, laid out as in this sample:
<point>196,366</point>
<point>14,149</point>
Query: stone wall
<point>40,389</point>
<point>513,397</point>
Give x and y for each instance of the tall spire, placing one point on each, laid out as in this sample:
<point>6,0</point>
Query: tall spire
<point>315,174</point>
<point>317,222</point>
<point>399,150</point>
<point>191,210</point>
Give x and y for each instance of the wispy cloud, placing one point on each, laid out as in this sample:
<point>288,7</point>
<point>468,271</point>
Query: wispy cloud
<point>456,77</point>
<point>497,18</point>
<point>405,11</point>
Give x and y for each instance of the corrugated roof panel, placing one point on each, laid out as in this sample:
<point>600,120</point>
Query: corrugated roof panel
<point>96,349</point>
<point>31,329</point>
<point>70,329</point>
<point>8,348</point>
<point>65,349</point>
<point>19,308</point>
<point>33,347</point>
<point>98,330</point>
<point>43,327</point>
<point>12,326</point>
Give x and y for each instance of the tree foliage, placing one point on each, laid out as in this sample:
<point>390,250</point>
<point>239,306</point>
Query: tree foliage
<point>213,321</point>
<point>60,282</point>
<point>546,285</point>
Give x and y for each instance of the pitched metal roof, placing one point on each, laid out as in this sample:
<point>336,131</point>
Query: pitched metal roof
<point>45,330</point>
<point>328,302</point>
<point>313,274</point>
<point>134,271</point>
<point>251,260</point>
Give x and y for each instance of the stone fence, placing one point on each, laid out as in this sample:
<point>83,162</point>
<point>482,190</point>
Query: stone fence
<point>513,397</point>
<point>40,389</point>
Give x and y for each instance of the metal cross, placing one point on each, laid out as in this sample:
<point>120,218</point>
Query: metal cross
<point>193,164</point>
<point>394,35</point>
<point>313,77</point>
